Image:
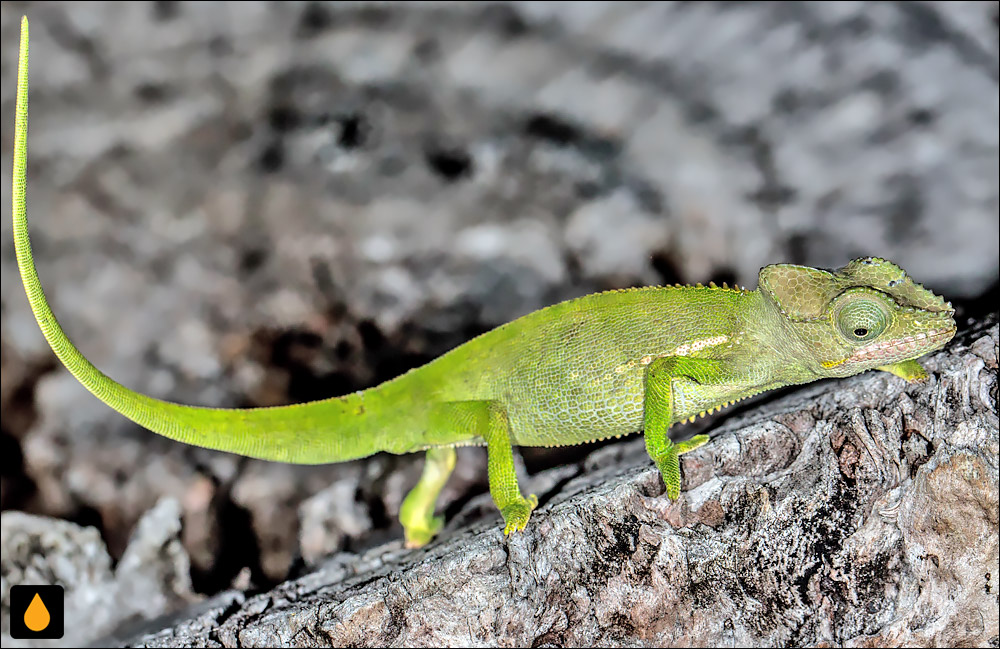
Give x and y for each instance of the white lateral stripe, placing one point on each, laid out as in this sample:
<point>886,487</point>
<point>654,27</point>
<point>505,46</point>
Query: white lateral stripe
<point>699,345</point>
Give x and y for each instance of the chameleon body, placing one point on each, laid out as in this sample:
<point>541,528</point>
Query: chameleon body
<point>606,364</point>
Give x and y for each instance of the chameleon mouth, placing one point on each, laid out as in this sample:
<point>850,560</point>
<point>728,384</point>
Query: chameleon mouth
<point>892,348</point>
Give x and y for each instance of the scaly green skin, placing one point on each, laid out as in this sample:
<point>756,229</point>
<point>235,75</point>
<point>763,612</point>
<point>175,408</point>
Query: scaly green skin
<point>606,364</point>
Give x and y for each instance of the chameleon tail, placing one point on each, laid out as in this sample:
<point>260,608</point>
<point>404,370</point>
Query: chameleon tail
<point>314,433</point>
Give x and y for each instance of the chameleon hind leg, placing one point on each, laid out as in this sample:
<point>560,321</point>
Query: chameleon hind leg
<point>417,511</point>
<point>488,421</point>
<point>664,377</point>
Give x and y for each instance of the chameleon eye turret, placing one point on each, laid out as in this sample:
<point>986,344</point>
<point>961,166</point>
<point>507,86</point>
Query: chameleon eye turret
<point>861,318</point>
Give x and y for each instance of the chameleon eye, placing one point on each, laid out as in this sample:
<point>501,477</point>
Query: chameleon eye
<point>862,320</point>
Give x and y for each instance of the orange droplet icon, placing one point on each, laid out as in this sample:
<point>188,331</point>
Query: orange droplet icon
<point>36,617</point>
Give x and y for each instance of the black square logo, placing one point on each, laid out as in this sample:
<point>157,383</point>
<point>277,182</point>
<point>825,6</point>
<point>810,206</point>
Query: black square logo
<point>36,612</point>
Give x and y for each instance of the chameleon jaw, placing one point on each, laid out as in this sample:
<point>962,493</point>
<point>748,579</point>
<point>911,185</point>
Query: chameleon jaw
<point>889,350</point>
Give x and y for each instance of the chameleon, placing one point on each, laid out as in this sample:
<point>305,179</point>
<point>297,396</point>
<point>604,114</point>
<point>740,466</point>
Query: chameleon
<point>602,365</point>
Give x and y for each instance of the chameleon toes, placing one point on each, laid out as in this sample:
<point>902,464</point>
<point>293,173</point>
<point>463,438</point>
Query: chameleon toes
<point>516,515</point>
<point>419,536</point>
<point>691,444</point>
<point>673,488</point>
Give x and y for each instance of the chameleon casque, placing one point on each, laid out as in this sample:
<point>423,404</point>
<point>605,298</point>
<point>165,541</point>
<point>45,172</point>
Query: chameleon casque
<point>606,364</point>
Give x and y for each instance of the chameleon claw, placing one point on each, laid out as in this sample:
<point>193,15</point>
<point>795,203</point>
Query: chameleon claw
<point>669,463</point>
<point>420,535</point>
<point>670,469</point>
<point>516,514</point>
<point>691,444</point>
<point>673,488</point>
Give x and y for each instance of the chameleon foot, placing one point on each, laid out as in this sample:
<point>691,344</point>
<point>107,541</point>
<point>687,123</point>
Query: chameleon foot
<point>691,444</point>
<point>669,463</point>
<point>516,514</point>
<point>911,371</point>
<point>417,536</point>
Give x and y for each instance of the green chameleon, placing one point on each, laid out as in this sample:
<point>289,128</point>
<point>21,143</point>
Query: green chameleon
<point>582,370</point>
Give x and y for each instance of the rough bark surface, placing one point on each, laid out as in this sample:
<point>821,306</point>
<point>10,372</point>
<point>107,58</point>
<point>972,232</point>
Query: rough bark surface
<point>152,578</point>
<point>859,512</point>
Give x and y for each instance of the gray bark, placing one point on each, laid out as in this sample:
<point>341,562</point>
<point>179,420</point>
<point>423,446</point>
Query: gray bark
<point>854,512</point>
<point>152,578</point>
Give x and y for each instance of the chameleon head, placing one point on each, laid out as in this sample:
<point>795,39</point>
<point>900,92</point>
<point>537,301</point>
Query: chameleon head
<point>865,315</point>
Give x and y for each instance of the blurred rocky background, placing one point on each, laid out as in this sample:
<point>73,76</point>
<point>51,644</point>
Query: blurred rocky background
<point>242,204</point>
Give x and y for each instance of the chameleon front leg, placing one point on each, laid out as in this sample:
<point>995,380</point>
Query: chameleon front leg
<point>663,377</point>
<point>417,511</point>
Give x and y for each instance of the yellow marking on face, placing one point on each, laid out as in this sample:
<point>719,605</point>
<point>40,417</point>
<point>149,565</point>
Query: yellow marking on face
<point>829,364</point>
